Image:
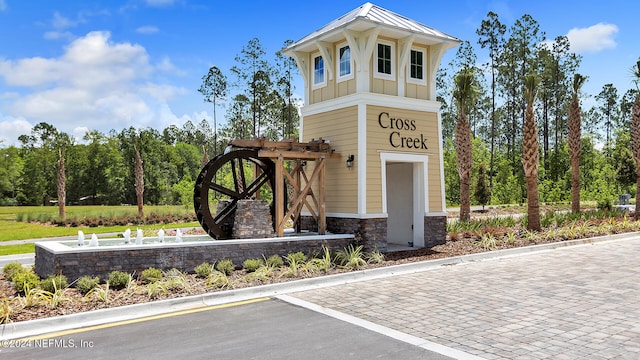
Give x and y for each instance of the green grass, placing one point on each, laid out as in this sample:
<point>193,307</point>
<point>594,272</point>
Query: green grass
<point>88,211</point>
<point>16,249</point>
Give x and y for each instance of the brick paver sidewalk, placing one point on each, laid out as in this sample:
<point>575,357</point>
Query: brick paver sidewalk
<point>580,302</point>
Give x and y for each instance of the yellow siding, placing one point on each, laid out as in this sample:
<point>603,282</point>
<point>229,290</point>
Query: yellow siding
<point>340,127</point>
<point>378,139</point>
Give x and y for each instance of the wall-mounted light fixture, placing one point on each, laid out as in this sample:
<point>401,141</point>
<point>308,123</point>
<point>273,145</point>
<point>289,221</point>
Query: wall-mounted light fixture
<point>350,160</point>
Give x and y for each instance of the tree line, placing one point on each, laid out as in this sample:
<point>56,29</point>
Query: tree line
<point>485,111</point>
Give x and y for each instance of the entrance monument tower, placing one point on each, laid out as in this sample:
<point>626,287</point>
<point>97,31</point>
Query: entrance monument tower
<point>370,90</point>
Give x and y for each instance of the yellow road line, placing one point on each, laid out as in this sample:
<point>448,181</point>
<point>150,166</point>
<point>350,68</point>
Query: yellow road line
<point>148,318</point>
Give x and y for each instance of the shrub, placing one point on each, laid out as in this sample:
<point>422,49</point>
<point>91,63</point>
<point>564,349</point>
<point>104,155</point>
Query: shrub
<point>86,284</point>
<point>297,257</point>
<point>252,265</point>
<point>11,269</point>
<point>53,283</point>
<point>119,279</point>
<point>150,275</point>
<point>225,266</point>
<point>203,270</point>
<point>275,261</point>
<point>25,280</point>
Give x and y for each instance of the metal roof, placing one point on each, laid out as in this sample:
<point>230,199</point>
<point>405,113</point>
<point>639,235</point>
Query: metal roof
<point>368,16</point>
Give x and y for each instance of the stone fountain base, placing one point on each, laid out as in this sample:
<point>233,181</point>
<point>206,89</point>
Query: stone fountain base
<point>75,262</point>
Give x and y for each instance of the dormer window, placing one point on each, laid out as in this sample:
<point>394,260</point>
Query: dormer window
<point>319,76</point>
<point>345,62</point>
<point>384,60</point>
<point>416,67</point>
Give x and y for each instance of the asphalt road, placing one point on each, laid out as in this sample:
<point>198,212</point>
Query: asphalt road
<point>265,329</point>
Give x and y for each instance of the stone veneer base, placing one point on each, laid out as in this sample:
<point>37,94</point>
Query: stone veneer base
<point>73,262</point>
<point>373,231</point>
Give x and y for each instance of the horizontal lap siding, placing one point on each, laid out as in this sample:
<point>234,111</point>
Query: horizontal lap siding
<point>340,127</point>
<point>378,140</point>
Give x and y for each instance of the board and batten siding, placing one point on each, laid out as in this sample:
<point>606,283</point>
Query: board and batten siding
<point>340,128</point>
<point>378,140</point>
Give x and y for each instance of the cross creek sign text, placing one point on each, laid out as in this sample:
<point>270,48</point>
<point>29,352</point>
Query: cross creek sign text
<point>399,127</point>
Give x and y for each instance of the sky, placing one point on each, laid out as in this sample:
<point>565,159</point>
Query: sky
<point>111,64</point>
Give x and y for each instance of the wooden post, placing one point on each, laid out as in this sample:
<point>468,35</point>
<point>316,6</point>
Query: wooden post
<point>280,220</point>
<point>322,214</point>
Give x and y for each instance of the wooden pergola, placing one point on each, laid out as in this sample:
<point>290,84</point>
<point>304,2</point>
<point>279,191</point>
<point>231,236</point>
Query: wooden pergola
<point>303,195</point>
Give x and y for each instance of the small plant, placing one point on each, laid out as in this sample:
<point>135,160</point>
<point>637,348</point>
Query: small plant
<point>11,269</point>
<point>262,274</point>
<point>225,266</point>
<point>53,283</point>
<point>87,283</point>
<point>119,279</point>
<point>155,289</point>
<point>488,242</point>
<point>176,280</point>
<point>375,257</point>
<point>510,238</point>
<point>351,257</point>
<point>100,293</point>
<point>219,280</point>
<point>6,311</point>
<point>150,275</point>
<point>274,261</point>
<point>203,270</point>
<point>54,298</point>
<point>252,265</point>
<point>324,263</point>
<point>25,280</point>
<point>31,297</point>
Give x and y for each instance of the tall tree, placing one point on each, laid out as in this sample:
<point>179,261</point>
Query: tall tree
<point>286,68</point>
<point>252,70</point>
<point>530,155</point>
<point>608,100</point>
<point>465,95</point>
<point>214,88</point>
<point>575,141</point>
<point>635,125</point>
<point>491,35</point>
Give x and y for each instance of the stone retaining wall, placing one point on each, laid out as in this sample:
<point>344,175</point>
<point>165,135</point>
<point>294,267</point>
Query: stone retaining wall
<point>56,258</point>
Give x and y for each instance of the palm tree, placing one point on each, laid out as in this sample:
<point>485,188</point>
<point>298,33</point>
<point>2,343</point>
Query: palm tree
<point>464,95</point>
<point>530,154</point>
<point>635,126</point>
<point>575,142</point>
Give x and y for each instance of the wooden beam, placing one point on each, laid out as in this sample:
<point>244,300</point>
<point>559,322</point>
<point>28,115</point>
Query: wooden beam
<point>279,197</point>
<point>293,155</point>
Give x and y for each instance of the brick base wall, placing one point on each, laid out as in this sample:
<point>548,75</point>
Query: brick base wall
<point>435,230</point>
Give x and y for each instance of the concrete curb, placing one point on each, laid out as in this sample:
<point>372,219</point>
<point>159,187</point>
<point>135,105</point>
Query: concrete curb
<point>92,318</point>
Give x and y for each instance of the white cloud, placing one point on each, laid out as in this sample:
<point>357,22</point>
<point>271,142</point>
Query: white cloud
<point>594,38</point>
<point>96,84</point>
<point>147,30</point>
<point>11,128</point>
<point>3,5</point>
<point>161,3</point>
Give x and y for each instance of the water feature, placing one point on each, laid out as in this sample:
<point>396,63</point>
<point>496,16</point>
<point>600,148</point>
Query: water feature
<point>162,238</point>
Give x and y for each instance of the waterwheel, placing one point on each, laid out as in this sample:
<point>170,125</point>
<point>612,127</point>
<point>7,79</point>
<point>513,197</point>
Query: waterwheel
<point>227,178</point>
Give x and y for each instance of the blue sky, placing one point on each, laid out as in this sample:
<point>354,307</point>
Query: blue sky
<point>103,65</point>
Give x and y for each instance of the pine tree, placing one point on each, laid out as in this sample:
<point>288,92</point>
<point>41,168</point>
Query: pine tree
<point>483,190</point>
